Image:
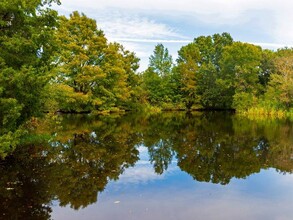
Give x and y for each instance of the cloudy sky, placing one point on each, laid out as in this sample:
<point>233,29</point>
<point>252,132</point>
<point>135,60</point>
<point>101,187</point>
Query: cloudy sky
<point>141,24</point>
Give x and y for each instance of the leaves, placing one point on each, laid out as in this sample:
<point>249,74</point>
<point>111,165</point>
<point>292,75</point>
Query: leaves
<point>102,72</point>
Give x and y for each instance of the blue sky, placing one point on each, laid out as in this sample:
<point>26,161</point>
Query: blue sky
<point>140,25</point>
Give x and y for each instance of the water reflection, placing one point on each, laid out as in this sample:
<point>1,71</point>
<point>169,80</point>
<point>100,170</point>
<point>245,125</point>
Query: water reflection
<point>75,163</point>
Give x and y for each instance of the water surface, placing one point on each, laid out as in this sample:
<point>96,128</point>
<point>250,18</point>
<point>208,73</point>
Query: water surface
<point>168,166</point>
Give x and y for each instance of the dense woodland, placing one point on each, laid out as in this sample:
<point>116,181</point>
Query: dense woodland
<point>51,63</point>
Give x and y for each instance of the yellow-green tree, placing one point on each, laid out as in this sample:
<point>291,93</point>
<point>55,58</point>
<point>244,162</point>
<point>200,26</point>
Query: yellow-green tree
<point>187,67</point>
<point>280,87</point>
<point>241,68</point>
<point>98,72</point>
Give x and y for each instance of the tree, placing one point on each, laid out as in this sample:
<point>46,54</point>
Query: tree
<point>280,87</point>
<point>157,78</point>
<point>26,28</point>
<point>211,89</point>
<point>187,67</point>
<point>267,67</point>
<point>161,62</point>
<point>199,68</point>
<point>98,72</point>
<point>241,68</point>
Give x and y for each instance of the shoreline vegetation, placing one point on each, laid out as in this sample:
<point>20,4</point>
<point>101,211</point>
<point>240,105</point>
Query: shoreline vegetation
<point>51,63</point>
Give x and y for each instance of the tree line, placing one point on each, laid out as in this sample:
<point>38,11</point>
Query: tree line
<point>52,63</point>
<point>215,72</point>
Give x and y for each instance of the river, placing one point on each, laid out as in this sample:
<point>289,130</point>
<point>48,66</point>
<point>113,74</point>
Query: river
<point>165,166</point>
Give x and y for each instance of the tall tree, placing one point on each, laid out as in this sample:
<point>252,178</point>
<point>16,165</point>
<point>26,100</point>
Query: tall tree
<point>158,76</point>
<point>160,61</point>
<point>241,68</point>
<point>211,89</point>
<point>279,92</point>
<point>26,28</point>
<point>96,74</point>
<point>199,67</point>
<point>187,68</point>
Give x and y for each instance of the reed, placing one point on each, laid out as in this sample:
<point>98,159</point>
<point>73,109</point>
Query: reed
<point>267,113</point>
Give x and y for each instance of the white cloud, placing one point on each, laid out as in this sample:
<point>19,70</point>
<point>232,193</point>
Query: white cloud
<point>143,172</point>
<point>143,48</point>
<point>140,25</point>
<point>145,40</point>
<point>124,26</point>
<point>273,16</point>
<point>271,46</point>
<point>139,174</point>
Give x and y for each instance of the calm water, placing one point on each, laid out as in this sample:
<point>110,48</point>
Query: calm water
<point>170,166</point>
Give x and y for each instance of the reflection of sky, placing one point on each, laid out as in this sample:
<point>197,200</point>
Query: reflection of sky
<point>141,194</point>
<point>143,172</point>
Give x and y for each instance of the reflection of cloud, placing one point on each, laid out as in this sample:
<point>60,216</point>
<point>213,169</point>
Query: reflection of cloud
<point>143,171</point>
<point>286,180</point>
<point>139,174</point>
<point>143,153</point>
<point>254,198</point>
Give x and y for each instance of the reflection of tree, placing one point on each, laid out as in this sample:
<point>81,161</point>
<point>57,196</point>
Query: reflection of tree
<point>213,160</point>
<point>24,192</point>
<point>213,152</point>
<point>217,147</point>
<point>157,136</point>
<point>161,155</point>
<point>84,153</point>
<point>86,163</point>
<point>74,167</point>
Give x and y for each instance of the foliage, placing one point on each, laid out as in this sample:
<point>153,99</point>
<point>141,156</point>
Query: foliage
<point>240,66</point>
<point>26,28</point>
<point>100,72</point>
<point>158,78</point>
<point>198,66</point>
<point>187,66</point>
<point>161,62</point>
<point>280,87</point>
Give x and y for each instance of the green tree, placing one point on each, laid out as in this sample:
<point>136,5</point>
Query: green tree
<point>211,88</point>
<point>99,73</point>
<point>158,77</point>
<point>241,69</point>
<point>187,67</point>
<point>267,67</point>
<point>199,67</point>
<point>26,28</point>
<point>161,61</point>
<point>279,92</point>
